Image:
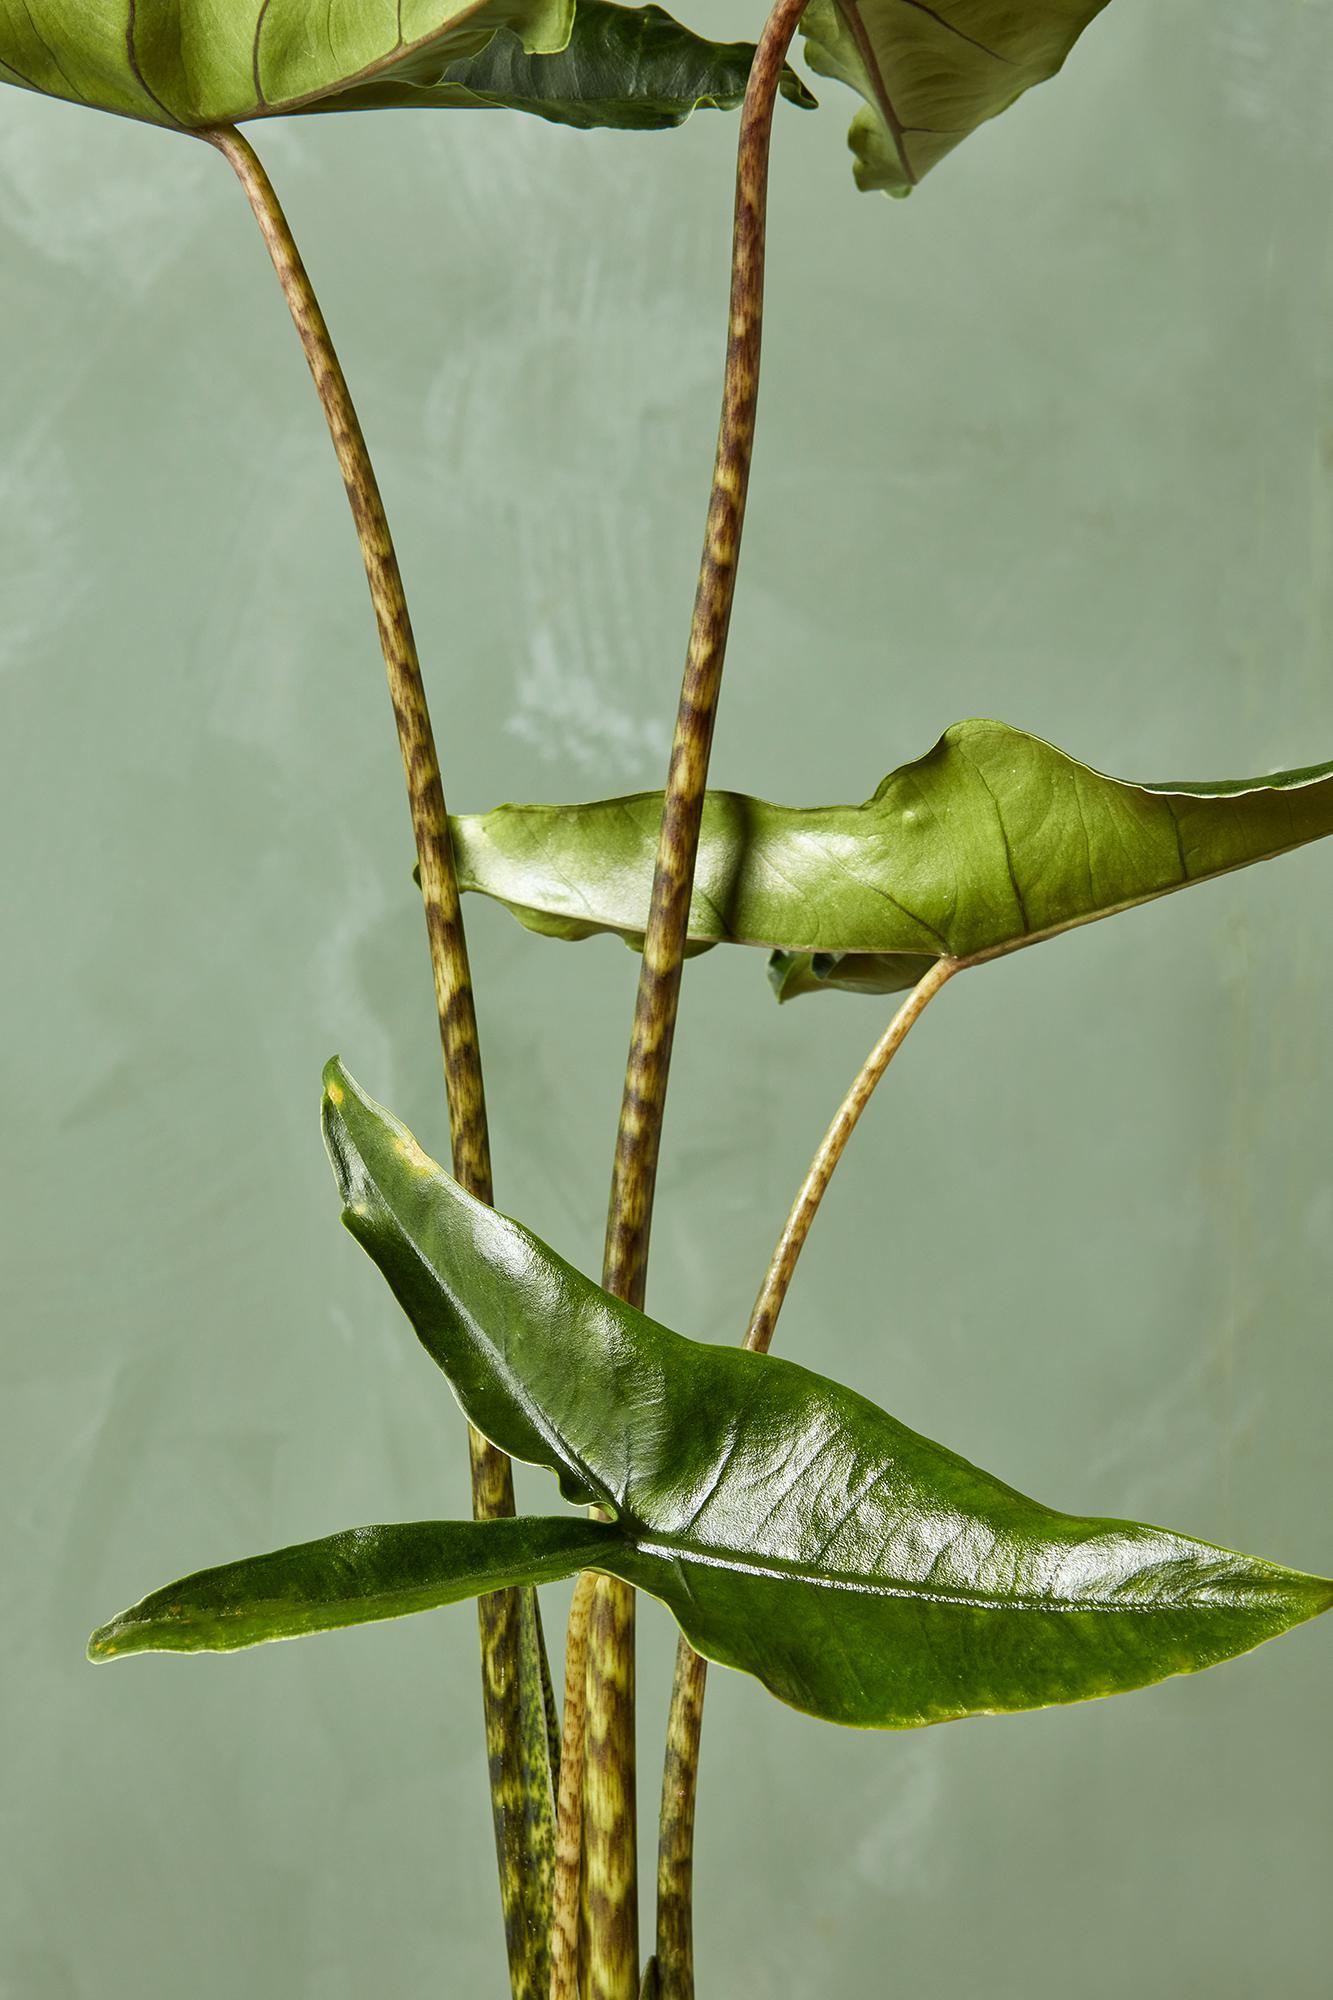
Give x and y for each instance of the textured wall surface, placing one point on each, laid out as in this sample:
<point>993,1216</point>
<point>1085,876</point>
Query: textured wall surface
<point>1052,441</point>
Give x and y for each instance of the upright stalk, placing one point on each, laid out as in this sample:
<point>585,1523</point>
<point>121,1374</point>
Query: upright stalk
<point>514,1680</point>
<point>610,1827</point>
<point>680,1775</point>
<point>569,1816</point>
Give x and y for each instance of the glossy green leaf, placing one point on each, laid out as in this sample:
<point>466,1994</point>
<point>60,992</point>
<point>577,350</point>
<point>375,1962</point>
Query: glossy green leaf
<point>796,1531</point>
<point>931,74</point>
<point>991,841</point>
<point>347,1579</point>
<point>631,69</point>
<point>198,63</point>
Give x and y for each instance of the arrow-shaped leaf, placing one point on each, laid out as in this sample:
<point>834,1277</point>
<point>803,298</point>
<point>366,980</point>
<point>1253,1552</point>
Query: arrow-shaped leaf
<point>930,74</point>
<point>795,1530</point>
<point>348,1579</point>
<point>199,63</point>
<point>992,841</point>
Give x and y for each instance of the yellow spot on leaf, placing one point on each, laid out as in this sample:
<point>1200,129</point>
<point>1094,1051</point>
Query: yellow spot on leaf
<point>334,1093</point>
<point>408,1149</point>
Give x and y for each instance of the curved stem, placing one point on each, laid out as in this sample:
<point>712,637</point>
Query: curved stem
<point>511,1644</point>
<point>680,1777</point>
<point>430,824</point>
<point>782,1264</point>
<point>569,1814</point>
<point>611,1827</point>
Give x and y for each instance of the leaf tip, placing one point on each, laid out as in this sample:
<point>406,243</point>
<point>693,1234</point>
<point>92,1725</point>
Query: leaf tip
<point>102,1645</point>
<point>779,967</point>
<point>796,90</point>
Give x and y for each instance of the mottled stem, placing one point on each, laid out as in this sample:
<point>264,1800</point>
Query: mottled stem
<point>610,1881</point>
<point>610,1826</point>
<point>511,1644</point>
<point>680,1777</point>
<point>675,1834</point>
<point>569,1814</point>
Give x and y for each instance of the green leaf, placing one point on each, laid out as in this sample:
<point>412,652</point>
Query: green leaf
<point>196,63</point>
<point>625,68</point>
<point>796,1531</point>
<point>347,1579</point>
<point>930,74</point>
<point>992,841</point>
<point>199,63</point>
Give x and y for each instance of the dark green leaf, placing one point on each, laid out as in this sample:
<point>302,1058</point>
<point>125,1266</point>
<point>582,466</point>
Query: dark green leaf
<point>795,1530</point>
<point>200,63</point>
<point>991,841</point>
<point>631,69</point>
<point>347,1579</point>
<point>931,74</point>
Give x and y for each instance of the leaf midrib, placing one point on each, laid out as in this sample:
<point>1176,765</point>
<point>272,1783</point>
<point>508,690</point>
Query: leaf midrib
<point>851,14</point>
<point>562,1452</point>
<point>262,107</point>
<point>711,1556</point>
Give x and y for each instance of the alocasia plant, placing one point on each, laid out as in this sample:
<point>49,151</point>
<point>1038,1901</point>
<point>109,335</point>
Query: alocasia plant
<point>796,1531</point>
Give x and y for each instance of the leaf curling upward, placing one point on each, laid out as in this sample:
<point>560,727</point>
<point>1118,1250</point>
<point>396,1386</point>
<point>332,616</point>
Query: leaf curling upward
<point>992,841</point>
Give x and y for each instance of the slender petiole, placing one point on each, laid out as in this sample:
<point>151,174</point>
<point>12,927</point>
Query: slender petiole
<point>611,1829</point>
<point>680,1776</point>
<point>782,1264</point>
<point>430,824</point>
<point>512,1649</point>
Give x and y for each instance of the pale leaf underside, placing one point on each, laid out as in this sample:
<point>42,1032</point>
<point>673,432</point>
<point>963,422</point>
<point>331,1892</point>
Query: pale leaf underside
<point>930,74</point>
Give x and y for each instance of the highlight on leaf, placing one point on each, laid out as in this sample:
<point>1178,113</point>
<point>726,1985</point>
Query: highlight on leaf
<point>992,841</point>
<point>194,64</point>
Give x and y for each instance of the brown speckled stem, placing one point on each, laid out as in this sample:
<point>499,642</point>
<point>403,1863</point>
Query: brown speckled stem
<point>680,1776</point>
<point>517,1740</point>
<point>675,1833</point>
<point>610,1827</point>
<point>569,1815</point>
